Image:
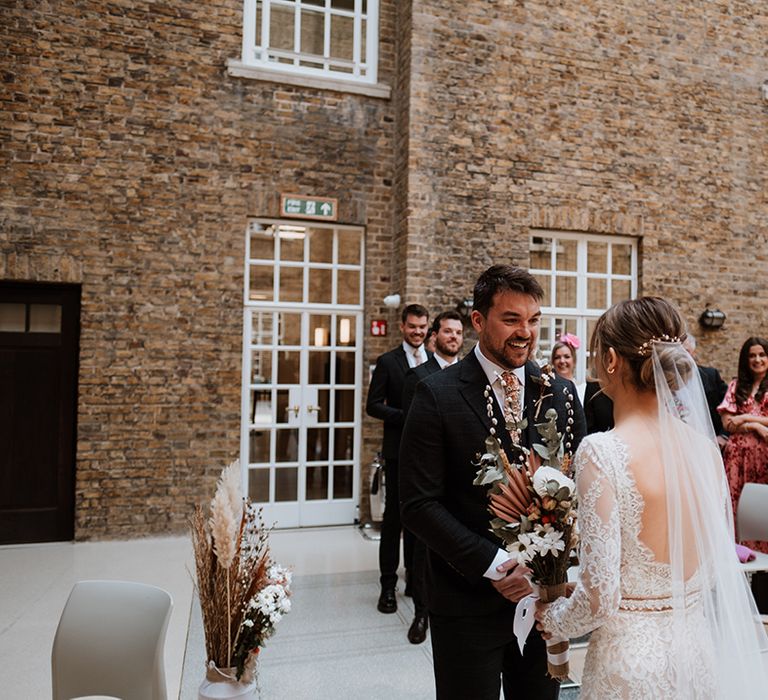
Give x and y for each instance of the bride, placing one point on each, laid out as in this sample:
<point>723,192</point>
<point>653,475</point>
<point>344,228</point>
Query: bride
<point>659,582</point>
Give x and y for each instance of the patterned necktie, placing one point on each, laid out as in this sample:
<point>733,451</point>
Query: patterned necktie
<point>511,386</point>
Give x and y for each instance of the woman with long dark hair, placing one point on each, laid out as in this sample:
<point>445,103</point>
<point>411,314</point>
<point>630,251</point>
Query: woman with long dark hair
<point>745,415</point>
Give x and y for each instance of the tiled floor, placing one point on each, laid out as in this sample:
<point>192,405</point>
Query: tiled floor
<point>334,644</point>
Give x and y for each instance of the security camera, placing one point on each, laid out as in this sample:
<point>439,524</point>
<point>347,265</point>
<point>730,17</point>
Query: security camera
<point>392,301</point>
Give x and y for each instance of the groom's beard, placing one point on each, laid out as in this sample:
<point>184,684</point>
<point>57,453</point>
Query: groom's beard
<point>513,353</point>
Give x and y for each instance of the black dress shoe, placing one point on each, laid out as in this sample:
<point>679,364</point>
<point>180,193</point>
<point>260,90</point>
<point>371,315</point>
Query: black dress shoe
<point>387,601</point>
<point>417,632</point>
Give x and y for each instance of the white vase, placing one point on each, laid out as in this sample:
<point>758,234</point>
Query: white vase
<point>221,684</point>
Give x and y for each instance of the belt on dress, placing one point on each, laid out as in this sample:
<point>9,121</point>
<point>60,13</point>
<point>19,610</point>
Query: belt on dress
<point>657,604</point>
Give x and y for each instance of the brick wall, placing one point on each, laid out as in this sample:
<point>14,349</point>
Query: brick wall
<point>602,117</point>
<point>128,150</point>
<point>131,162</point>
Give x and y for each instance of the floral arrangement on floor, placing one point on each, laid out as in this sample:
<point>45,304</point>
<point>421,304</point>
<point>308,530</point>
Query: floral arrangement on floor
<point>243,593</point>
<point>533,501</point>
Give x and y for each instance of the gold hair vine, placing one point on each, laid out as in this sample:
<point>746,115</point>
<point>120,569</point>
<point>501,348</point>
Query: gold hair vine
<point>645,349</point>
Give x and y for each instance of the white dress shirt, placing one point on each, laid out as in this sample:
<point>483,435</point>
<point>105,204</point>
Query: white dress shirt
<point>410,354</point>
<point>445,363</point>
<point>493,372</point>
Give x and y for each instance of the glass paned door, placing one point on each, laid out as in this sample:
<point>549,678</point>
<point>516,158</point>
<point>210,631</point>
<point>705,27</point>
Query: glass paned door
<point>302,372</point>
<point>303,409</point>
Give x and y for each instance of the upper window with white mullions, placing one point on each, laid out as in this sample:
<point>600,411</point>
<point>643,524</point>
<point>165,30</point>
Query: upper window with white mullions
<point>581,275</point>
<point>321,38</point>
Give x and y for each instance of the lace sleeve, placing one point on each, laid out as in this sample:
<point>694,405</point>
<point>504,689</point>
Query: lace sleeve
<point>597,592</point>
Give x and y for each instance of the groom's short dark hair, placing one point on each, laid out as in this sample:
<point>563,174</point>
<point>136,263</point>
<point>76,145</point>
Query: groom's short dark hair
<point>503,278</point>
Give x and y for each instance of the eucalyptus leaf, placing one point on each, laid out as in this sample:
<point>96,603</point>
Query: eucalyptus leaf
<point>488,476</point>
<point>563,493</point>
<point>540,450</point>
<point>552,487</point>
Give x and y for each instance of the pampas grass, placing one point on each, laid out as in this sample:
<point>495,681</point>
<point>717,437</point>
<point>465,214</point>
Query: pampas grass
<point>231,560</point>
<point>226,515</point>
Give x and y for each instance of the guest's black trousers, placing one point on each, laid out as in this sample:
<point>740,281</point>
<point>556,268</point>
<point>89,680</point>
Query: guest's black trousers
<point>391,527</point>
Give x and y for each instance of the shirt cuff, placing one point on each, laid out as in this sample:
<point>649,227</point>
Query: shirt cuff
<point>498,560</point>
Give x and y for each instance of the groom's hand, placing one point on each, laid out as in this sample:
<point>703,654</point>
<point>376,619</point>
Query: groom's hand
<point>514,586</point>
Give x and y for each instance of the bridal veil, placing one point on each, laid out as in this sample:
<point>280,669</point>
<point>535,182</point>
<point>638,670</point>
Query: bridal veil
<point>706,574</point>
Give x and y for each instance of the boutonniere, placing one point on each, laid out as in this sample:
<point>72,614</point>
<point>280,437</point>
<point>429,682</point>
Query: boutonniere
<point>544,381</point>
<point>546,378</point>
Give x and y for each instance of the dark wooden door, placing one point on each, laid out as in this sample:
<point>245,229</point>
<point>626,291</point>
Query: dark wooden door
<point>39,335</point>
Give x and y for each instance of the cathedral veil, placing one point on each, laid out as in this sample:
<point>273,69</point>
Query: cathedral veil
<point>709,591</point>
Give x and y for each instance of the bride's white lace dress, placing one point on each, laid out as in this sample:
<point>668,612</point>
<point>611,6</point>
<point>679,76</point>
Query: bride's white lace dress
<point>623,595</point>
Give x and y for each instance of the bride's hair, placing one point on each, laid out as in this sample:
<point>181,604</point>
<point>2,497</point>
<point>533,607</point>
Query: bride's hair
<point>630,328</point>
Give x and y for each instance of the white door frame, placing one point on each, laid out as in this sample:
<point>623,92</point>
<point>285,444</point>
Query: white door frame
<point>302,512</point>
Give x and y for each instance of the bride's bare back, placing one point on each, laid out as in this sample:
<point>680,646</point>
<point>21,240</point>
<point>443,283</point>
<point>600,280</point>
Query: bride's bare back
<point>641,436</point>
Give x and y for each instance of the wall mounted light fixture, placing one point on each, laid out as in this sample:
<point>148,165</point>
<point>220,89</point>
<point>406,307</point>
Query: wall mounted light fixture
<point>712,318</point>
<point>464,307</point>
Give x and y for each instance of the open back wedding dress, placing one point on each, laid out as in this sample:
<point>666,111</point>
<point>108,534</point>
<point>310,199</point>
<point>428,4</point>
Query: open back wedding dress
<point>682,627</point>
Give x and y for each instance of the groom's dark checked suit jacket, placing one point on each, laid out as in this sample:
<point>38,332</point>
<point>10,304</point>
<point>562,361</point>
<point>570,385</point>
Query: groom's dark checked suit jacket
<point>445,429</point>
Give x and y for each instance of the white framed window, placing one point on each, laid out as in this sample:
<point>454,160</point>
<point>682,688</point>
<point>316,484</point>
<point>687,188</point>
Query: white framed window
<point>326,39</point>
<point>582,275</point>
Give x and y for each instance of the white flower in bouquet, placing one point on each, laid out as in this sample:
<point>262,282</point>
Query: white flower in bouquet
<point>273,602</point>
<point>543,475</point>
<point>280,574</point>
<point>546,539</point>
<point>522,549</point>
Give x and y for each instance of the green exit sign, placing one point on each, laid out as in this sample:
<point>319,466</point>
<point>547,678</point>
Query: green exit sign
<point>300,207</point>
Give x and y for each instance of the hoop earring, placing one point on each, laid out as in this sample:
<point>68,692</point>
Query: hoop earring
<point>611,371</point>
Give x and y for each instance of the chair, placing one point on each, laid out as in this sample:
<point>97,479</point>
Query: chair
<point>752,522</point>
<point>110,641</point>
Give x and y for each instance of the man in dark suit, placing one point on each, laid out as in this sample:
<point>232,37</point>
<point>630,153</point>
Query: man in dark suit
<point>384,402</point>
<point>472,584</point>
<point>714,390</point>
<point>598,408</point>
<point>448,333</point>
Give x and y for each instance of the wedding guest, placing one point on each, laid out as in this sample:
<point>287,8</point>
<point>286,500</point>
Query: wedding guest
<point>384,402</point>
<point>714,390</point>
<point>598,408</point>
<point>448,333</point>
<point>430,342</point>
<point>563,359</point>
<point>744,411</point>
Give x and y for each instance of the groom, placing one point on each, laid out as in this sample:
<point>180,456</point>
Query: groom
<point>472,585</point>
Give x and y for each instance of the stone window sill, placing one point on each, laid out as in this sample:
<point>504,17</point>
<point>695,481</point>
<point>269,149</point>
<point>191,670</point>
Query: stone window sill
<point>239,69</point>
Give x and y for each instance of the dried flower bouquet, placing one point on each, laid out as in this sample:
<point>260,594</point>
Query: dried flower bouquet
<point>243,593</point>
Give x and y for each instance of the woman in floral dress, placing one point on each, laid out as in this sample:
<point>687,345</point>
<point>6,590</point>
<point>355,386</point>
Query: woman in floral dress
<point>745,415</point>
